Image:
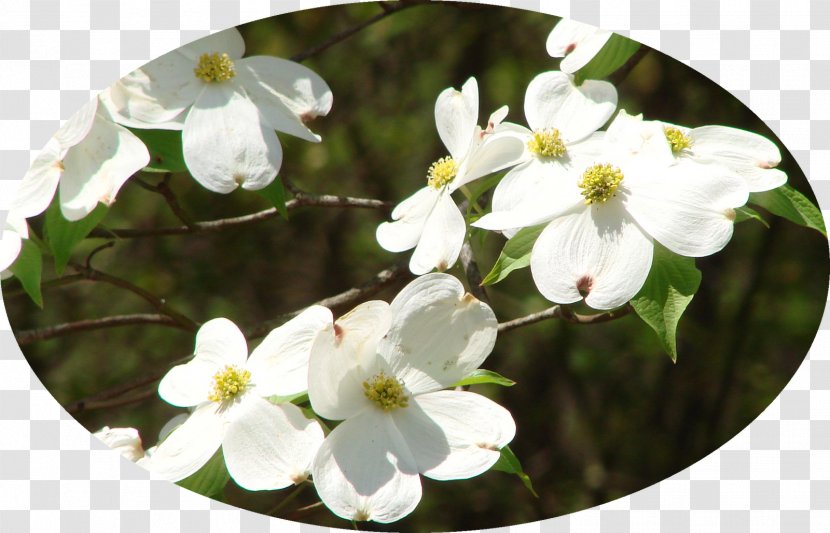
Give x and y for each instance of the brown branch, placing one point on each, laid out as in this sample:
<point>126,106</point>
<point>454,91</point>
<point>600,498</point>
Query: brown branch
<point>468,262</point>
<point>32,335</point>
<point>301,200</point>
<point>565,313</point>
<point>340,301</point>
<point>388,9</point>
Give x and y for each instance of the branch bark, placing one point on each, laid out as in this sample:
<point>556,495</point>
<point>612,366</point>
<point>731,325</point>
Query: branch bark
<point>565,313</point>
<point>59,330</point>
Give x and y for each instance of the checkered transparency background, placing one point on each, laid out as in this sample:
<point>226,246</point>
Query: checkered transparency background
<point>774,55</point>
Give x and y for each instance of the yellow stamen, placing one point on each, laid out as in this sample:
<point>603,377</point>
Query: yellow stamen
<point>228,383</point>
<point>442,172</point>
<point>386,391</point>
<point>547,143</point>
<point>599,183</point>
<point>677,139</point>
<point>214,67</point>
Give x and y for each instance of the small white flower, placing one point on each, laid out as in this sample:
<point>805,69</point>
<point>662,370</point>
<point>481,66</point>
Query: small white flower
<point>14,230</point>
<point>601,249</point>
<point>90,156</point>
<point>125,441</point>
<point>578,43</point>
<point>429,220</point>
<point>228,106</point>
<point>380,369</point>
<point>560,143</point>
<point>266,446</point>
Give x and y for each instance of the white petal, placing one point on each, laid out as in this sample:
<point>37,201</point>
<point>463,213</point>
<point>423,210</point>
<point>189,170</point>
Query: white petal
<point>279,365</point>
<point>269,447</point>
<point>456,115</point>
<point>496,152</point>
<point>37,188</point>
<point>113,112</point>
<point>441,239</point>
<point>190,446</point>
<point>158,91</point>
<point>689,207</point>
<point>10,244</point>
<point>227,41</point>
<point>408,218</point>
<point>553,101</point>
<point>752,156</point>
<point>454,434</point>
<point>97,167</point>
<point>226,144</point>
<point>438,335</point>
<point>301,89</point>
<point>365,471</point>
<point>599,250</point>
<point>219,343</point>
<point>530,194</point>
<point>77,127</point>
<point>342,357</point>
<point>125,441</point>
<point>578,43</point>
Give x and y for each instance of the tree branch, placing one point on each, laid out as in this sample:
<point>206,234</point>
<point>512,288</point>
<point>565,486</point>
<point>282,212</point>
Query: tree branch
<point>468,262</point>
<point>565,313</point>
<point>32,335</point>
<point>301,200</point>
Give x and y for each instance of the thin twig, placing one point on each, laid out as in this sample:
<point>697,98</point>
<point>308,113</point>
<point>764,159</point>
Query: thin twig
<point>564,313</point>
<point>32,335</point>
<point>340,301</point>
<point>388,9</point>
<point>118,402</point>
<point>302,200</point>
<point>622,73</point>
<point>288,499</point>
<point>172,200</point>
<point>473,274</point>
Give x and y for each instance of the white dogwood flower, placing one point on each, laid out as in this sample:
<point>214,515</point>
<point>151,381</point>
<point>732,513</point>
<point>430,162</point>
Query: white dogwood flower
<point>13,232</point>
<point>265,445</point>
<point>228,106</point>
<point>90,158</point>
<point>561,141</point>
<point>125,441</point>
<point>381,369</point>
<point>576,42</point>
<point>429,220</point>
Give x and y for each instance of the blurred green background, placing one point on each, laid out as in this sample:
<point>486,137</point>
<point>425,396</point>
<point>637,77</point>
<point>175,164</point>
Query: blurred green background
<point>601,411</point>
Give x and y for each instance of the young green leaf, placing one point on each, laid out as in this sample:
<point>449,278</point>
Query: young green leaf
<point>296,399</point>
<point>788,203</point>
<point>62,235</point>
<point>670,286</point>
<point>508,462</point>
<point>612,56</point>
<point>28,268</point>
<point>165,147</point>
<point>745,213</point>
<point>481,376</point>
<point>209,480</point>
<point>275,193</point>
<point>514,255</point>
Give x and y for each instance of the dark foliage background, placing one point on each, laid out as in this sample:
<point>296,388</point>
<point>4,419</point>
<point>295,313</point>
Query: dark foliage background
<point>601,411</point>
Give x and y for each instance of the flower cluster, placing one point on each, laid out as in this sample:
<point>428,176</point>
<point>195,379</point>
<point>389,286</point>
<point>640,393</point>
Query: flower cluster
<point>381,369</point>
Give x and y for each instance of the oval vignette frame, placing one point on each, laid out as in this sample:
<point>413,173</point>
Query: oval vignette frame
<point>516,118</point>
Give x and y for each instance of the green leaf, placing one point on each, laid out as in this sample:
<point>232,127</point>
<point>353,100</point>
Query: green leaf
<point>508,462</point>
<point>62,235</point>
<point>28,268</point>
<point>612,56</point>
<point>481,376</point>
<point>275,193</point>
<point>298,398</point>
<point>210,480</point>
<point>165,147</point>
<point>746,213</point>
<point>670,286</point>
<point>788,203</point>
<point>514,255</point>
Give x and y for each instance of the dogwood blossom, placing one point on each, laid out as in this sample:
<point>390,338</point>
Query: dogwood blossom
<point>125,441</point>
<point>90,157</point>
<point>563,119</point>
<point>576,42</point>
<point>429,220</point>
<point>228,107</point>
<point>11,241</point>
<point>634,193</point>
<point>381,369</point>
<point>265,445</point>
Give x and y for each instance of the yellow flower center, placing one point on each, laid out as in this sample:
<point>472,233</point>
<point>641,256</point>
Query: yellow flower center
<point>214,67</point>
<point>547,143</point>
<point>599,183</point>
<point>677,139</point>
<point>386,391</point>
<point>442,172</point>
<point>228,383</point>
